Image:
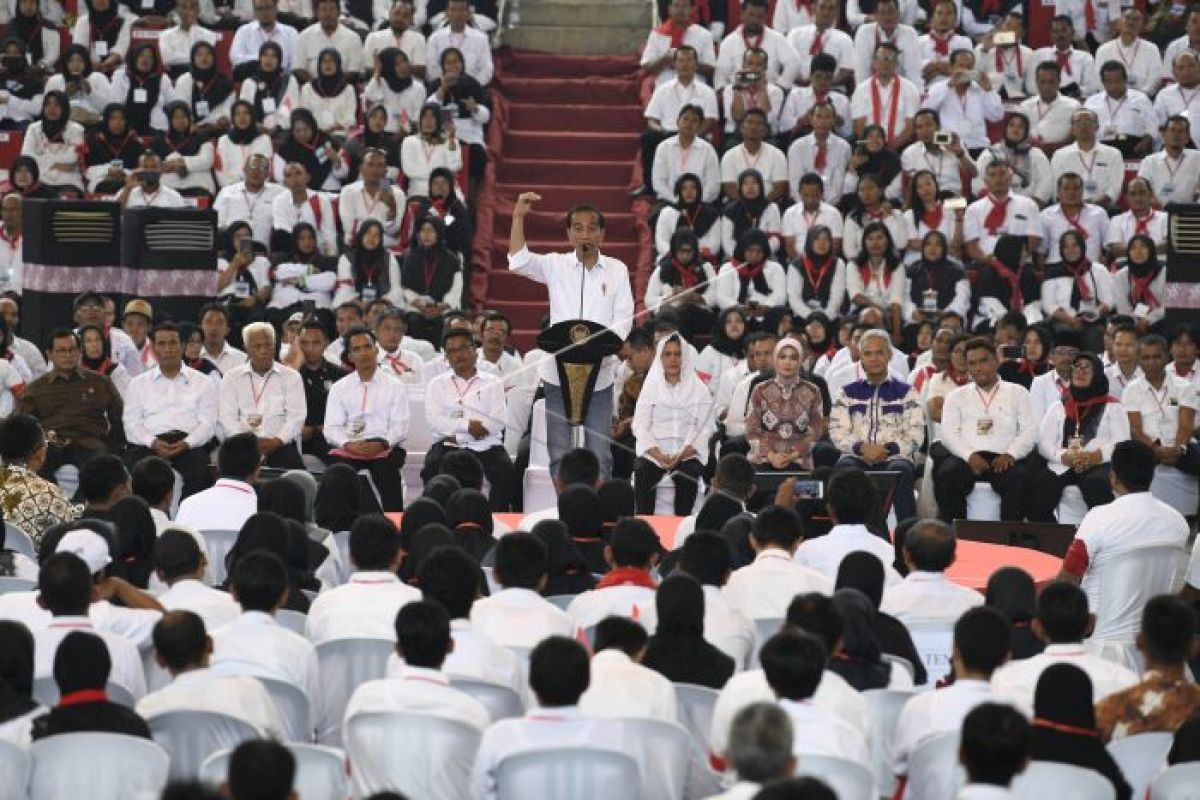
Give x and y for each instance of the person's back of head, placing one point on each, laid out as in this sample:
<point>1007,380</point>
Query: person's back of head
<point>180,642</point>
<point>81,663</point>
<point>153,480</point>
<point>929,546</point>
<point>760,744</point>
<point>261,769</point>
<point>465,467</point>
<point>793,662</point>
<point>20,437</point>
<point>862,571</point>
<point>103,479</point>
<point>995,744</point>
<point>806,788</point>
<point>633,544</point>
<point>177,556</point>
<point>65,585</point>
<point>1133,464</point>
<point>374,544</point>
<point>578,466</point>
<point>239,457</point>
<point>559,671</point>
<point>778,527</point>
<point>982,642</point>
<point>707,557</point>
<point>816,614</point>
<point>735,476</point>
<point>423,634</point>
<point>16,657</point>
<point>616,500</point>
<point>851,497</point>
<point>1168,629</point>
<point>450,577</point>
<point>620,633</point>
<point>189,790</point>
<point>1062,614</point>
<point>520,561</point>
<point>259,581</point>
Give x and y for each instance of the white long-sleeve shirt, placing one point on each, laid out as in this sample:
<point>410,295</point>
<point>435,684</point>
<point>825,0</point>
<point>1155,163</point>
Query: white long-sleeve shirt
<point>671,425</point>
<point>1102,170</point>
<point>229,166</point>
<point>281,117</point>
<point>782,63</point>
<point>235,202</point>
<point>1113,429</point>
<point>998,421</point>
<point>1056,292</point>
<point>1055,223</point>
<point>418,159</point>
<point>175,44</point>
<point>250,38</point>
<point>58,162</point>
<point>346,290</point>
<point>657,292</point>
<point>356,205</point>
<point>334,115</point>
<point>471,42</point>
<point>452,403</point>
<point>313,39</point>
<point>156,404</point>
<point>403,107</point>
<point>672,161</point>
<point>410,42</point>
<point>802,158</point>
<point>1131,115</point>
<point>1174,180</point>
<point>658,44</point>
<point>316,210</point>
<point>622,688</point>
<point>796,280</point>
<point>729,286</point>
<point>275,401</point>
<point>966,114</point>
<point>238,696</point>
<point>379,405</point>
<point>126,663</point>
<point>869,36</point>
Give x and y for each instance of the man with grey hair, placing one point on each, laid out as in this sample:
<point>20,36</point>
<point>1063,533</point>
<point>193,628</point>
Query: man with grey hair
<point>877,422</point>
<point>926,593</point>
<point>265,398</point>
<point>760,749</point>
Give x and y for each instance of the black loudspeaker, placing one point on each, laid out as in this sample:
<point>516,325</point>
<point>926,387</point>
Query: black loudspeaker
<point>1183,265</point>
<point>170,259</point>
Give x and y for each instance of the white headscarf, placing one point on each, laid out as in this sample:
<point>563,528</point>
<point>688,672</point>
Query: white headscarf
<point>689,391</point>
<point>785,342</point>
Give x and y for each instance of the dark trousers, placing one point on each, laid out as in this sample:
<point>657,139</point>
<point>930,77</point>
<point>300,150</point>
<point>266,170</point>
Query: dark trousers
<point>316,446</point>
<point>59,456</point>
<point>497,466</point>
<point>385,472</point>
<point>953,480</point>
<point>651,139</point>
<point>192,465</point>
<point>286,457</point>
<point>905,501</point>
<point>686,477</point>
<point>623,457</point>
<point>1093,483</point>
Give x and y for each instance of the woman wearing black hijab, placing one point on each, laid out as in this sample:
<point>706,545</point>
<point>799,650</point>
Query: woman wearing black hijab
<point>874,158</point>
<point>728,346</point>
<point>22,83</point>
<point>444,204</point>
<point>1011,591</point>
<point>936,283</point>
<point>1038,343</point>
<point>682,287</point>
<point>817,279</point>
<point>207,92</point>
<point>689,212</point>
<point>374,136</point>
<point>1075,435</point>
<point>1006,283</point>
<point>421,512</point>
<point>617,501</point>
<point>105,32</point>
<point>193,348</point>
<point>470,519</point>
<point>186,153</point>
<point>1078,292</point>
<point>39,38</point>
<point>330,96</point>
<point>307,144</point>
<point>136,534</point>
<point>113,141</point>
<point>1140,284</point>
<point>87,88</point>
<point>337,503</point>
<point>242,140</point>
<point>860,660</point>
<point>678,649</point>
<point>266,530</point>
<point>272,90</point>
<point>55,142</point>
<point>751,211</point>
<point>566,571</point>
<point>427,539</point>
<point>393,89</point>
<point>431,272</point>
<point>1064,725</point>
<point>139,85</point>
<point>752,278</point>
<point>579,508</point>
<point>17,706</point>
<point>863,571</point>
<point>368,271</point>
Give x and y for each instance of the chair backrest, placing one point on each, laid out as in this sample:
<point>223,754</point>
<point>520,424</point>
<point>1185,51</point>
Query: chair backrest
<point>218,543</point>
<point>98,766</point>
<point>933,769</point>
<point>19,541</point>
<point>15,767</point>
<point>1123,585</point>
<point>342,540</point>
<point>345,665</point>
<point>663,751</point>
<point>320,771</point>
<point>293,706</point>
<point>934,640</point>
<point>1180,782</point>
<point>45,691</point>
<point>502,702</point>
<point>763,629</point>
<point>902,663</point>
<point>11,583</point>
<point>539,455</point>
<point>1141,758</point>
<point>294,621</point>
<point>695,708</point>
<point>438,755</point>
<point>885,706</point>
<point>561,600</point>
<point>574,773</point>
<point>845,777</point>
<point>189,737</point>
<point>1048,779</point>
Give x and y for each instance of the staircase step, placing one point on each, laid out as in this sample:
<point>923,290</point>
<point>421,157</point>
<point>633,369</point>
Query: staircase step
<point>616,174</point>
<point>551,65</point>
<point>552,225</point>
<point>598,16</point>
<point>600,91</point>
<point>524,339</point>
<point>505,284</point>
<point>556,195</point>
<point>522,313</point>
<point>552,145</point>
<point>578,39</point>
<point>550,117</point>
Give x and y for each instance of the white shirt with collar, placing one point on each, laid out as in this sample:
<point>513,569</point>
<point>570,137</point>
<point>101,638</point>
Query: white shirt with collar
<point>1175,100</point>
<point>316,210</point>
<point>237,696</point>
<point>452,403</point>
<point>411,42</point>
<point>899,90</point>
<point>1045,391</point>
<point>834,42</point>
<point>126,661</point>
<point>770,162</point>
<point>213,606</point>
<point>928,596</point>
<point>801,98</point>
<point>825,553</point>
<point>782,62</point>
<point>819,732</point>
<point>471,42</point>
<point>134,624</point>
<point>404,365</point>
<point>1021,218</point>
<point>672,95</point>
<point>904,37</point>
<point>943,164</point>
<point>418,690</point>
<point>1122,228</point>
<point>1050,122</point>
<point>728,287</point>
<point>1143,63</point>
<point>380,405</point>
<point>726,628</point>
<point>966,114</point>
<point>1016,682</point>
<point>773,95</point>
<point>235,202</point>
<point>507,366</point>
<point>1009,68</point>
<point>1118,383</point>
<point>802,159</point>
<point>164,197</point>
<point>983,791</point>
<point>928,44</point>
<point>573,295</point>
<point>931,713</point>
<point>764,588</point>
<point>621,687</point>
<point>659,44</point>
<point>477,657</point>
<point>313,39</point>
<point>1113,428</point>
<point>364,607</point>
<point>227,359</point>
<point>1174,180</point>
<point>999,421</point>
<point>250,38</point>
<point>1102,169</point>
<point>623,600</point>
<point>1159,408</point>
<point>672,160</point>
<point>224,507</point>
<point>519,618</point>
<point>156,404</point>
<point>255,644</point>
<point>1131,115</point>
<point>276,399</point>
<point>1081,70</point>
<point>175,44</point>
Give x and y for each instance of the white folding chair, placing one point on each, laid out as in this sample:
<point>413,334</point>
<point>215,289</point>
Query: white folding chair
<point>1071,506</point>
<point>342,540</point>
<point>1180,782</point>
<point>502,702</point>
<point>217,543</point>
<point>764,629</point>
<point>45,691</point>
<point>847,778</point>
<point>1048,779</point>
<point>438,755</point>
<point>1118,592</point>
<point>189,737</point>
<point>695,708</point>
<point>345,665</point>
<point>933,769</point>
<point>292,620</point>
<point>561,600</point>
<point>538,486</point>
<point>293,707</point>
<point>1141,758</point>
<point>14,766</point>
<point>11,583</point>
<point>982,503</point>
<point>885,706</point>
<point>934,640</point>
<point>902,663</point>
<point>98,766</point>
<point>19,541</point>
<point>574,773</point>
<point>320,771</point>
<point>664,752</point>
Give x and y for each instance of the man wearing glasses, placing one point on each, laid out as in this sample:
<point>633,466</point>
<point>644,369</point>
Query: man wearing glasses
<point>1047,388</point>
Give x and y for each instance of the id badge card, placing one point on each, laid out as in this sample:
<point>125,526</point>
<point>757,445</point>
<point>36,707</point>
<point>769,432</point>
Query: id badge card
<point>100,48</point>
<point>814,304</point>
<point>147,5</point>
<point>322,156</point>
<point>1141,310</point>
<point>369,293</point>
<point>201,108</point>
<point>241,290</point>
<point>254,421</point>
<point>929,300</point>
<point>1087,307</point>
<point>140,96</point>
<point>358,425</point>
<point>268,105</point>
<point>984,425</point>
<point>1168,190</point>
<point>1090,187</point>
<point>1075,442</point>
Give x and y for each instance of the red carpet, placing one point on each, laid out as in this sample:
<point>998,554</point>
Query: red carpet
<point>567,128</point>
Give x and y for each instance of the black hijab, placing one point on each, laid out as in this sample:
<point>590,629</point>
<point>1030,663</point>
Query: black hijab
<point>470,518</point>
<point>23,81</point>
<point>617,501</point>
<point>28,31</point>
<point>136,534</point>
<point>105,145</point>
<point>860,660</point>
<point>566,570</point>
<point>16,671</point>
<point>863,572</point>
<point>421,512</point>
<point>329,86</point>
<point>208,85</point>
<point>371,265</point>
<point>242,136</point>
<point>311,155</point>
<point>1086,404</point>
<point>150,81</point>
<point>884,165</point>
<point>271,83</point>
<point>751,275</point>
<point>337,503</point>
<point>440,488</point>
<point>734,348</point>
<point>104,364</point>
<point>427,539</point>
<point>697,215</point>
<point>105,25</point>
<point>673,272</point>
<point>65,58</point>
<point>580,509</point>
<point>429,270</point>
<point>818,271</point>
<point>171,141</point>
<point>53,128</point>
<point>1011,591</point>
<point>746,214</point>
<point>941,275</point>
<point>678,649</point>
<point>387,70</point>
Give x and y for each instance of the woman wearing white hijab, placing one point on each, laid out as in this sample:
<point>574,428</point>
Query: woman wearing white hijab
<point>672,424</point>
<point>785,418</point>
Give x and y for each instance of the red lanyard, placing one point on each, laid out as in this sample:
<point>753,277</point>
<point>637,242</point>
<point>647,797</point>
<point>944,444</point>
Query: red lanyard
<point>365,387</point>
<point>1085,164</point>
<point>877,105</point>
<point>466,390</point>
<point>257,396</point>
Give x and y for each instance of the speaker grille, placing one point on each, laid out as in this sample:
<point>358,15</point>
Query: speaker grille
<point>1185,235</point>
<point>83,227</point>
<point>179,234</point>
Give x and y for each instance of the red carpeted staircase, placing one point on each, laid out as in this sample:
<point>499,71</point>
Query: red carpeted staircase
<point>567,128</point>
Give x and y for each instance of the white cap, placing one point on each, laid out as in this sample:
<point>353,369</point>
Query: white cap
<point>88,545</point>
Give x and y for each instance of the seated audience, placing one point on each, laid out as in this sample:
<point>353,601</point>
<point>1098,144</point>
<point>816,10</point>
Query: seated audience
<point>864,571</point>
<point>515,615</point>
<point>632,551</point>
<point>30,502</point>
<point>926,593</point>
<point>852,502</point>
<point>82,664</point>
<point>1011,591</point>
<point>784,419</point>
<point>994,750</point>
<point>763,588</point>
<point>620,686</point>
<point>180,563</point>
<point>678,649</point>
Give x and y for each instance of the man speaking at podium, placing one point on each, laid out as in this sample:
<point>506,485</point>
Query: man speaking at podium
<point>583,285</point>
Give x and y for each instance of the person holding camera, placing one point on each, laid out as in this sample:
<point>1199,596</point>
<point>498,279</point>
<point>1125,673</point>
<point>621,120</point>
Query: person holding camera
<point>937,150</point>
<point>966,102</point>
<point>751,89</point>
<point>144,189</point>
<point>939,45</point>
